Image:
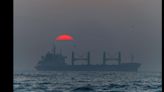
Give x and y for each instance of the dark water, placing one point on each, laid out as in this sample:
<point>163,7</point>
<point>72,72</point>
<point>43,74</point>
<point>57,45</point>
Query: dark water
<point>99,81</point>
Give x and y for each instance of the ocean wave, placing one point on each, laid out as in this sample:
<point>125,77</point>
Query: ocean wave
<point>99,81</point>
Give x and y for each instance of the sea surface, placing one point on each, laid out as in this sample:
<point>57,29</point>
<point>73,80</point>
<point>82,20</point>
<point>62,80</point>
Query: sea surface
<point>99,81</point>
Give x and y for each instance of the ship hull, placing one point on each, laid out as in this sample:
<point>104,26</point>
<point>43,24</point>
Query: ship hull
<point>121,67</point>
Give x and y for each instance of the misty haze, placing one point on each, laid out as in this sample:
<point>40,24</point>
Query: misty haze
<point>129,26</point>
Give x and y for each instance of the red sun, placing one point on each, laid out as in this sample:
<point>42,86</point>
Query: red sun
<point>64,37</point>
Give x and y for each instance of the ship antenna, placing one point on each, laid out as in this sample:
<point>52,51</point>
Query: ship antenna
<point>54,49</point>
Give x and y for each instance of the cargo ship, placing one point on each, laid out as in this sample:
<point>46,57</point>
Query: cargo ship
<point>53,61</point>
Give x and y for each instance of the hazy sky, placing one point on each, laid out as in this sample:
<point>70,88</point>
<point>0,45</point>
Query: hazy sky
<point>129,26</point>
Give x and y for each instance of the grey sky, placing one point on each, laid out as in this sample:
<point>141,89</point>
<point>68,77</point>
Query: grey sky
<point>130,26</point>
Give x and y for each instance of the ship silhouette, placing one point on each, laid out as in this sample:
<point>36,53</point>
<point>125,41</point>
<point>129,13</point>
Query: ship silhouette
<point>53,61</point>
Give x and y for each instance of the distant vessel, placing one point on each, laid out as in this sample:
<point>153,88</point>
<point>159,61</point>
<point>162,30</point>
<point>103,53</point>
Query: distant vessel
<point>53,61</point>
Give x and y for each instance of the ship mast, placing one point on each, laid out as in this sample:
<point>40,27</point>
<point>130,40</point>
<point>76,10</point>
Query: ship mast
<point>78,58</point>
<point>54,49</point>
<point>88,58</point>
<point>119,57</point>
<point>104,58</point>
